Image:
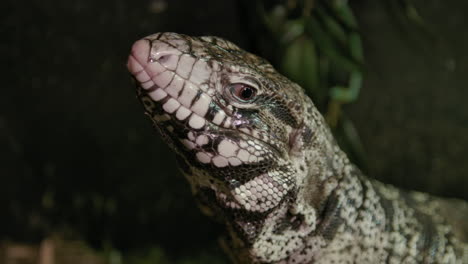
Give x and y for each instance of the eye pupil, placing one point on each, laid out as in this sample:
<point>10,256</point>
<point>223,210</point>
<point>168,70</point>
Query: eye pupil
<point>246,93</point>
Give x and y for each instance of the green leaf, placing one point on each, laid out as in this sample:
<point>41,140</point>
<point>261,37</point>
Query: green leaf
<point>332,26</point>
<point>350,93</point>
<point>355,46</point>
<point>344,13</point>
<point>299,63</point>
<point>329,47</point>
<point>292,30</point>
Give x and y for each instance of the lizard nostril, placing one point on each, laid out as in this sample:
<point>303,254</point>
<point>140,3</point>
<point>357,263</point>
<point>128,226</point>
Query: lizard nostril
<point>163,58</point>
<point>166,58</point>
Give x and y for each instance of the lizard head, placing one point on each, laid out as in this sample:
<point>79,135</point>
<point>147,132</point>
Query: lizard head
<point>233,121</point>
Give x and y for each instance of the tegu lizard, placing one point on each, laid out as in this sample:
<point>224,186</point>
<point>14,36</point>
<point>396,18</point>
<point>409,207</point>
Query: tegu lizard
<point>260,158</point>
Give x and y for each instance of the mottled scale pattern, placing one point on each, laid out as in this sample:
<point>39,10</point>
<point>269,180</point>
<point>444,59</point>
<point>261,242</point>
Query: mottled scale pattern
<point>260,159</point>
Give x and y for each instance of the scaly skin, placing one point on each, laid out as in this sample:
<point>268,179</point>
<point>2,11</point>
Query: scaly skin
<point>260,158</point>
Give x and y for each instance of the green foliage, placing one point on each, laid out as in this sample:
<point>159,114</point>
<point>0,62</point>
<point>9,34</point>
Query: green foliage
<point>317,44</point>
<point>300,62</point>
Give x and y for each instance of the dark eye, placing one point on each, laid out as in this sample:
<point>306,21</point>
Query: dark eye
<point>243,92</point>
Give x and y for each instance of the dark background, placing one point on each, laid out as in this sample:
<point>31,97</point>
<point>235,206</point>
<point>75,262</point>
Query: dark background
<point>77,155</point>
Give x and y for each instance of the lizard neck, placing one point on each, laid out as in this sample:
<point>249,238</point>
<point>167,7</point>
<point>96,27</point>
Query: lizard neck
<point>350,213</point>
<point>310,219</point>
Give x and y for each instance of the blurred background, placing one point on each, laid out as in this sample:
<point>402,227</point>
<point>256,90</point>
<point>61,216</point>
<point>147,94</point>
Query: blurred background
<point>85,179</point>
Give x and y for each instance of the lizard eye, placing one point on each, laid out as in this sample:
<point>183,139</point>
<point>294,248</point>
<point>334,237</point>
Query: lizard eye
<point>243,92</point>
